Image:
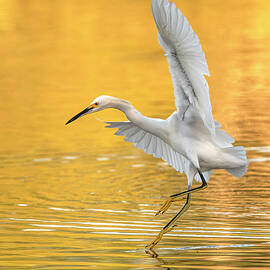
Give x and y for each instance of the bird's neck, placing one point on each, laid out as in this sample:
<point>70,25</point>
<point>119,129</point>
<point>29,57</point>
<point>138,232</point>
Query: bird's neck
<point>154,126</point>
<point>120,104</point>
<point>123,105</point>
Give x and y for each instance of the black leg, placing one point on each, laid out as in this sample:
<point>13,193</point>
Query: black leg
<point>173,221</point>
<point>171,224</point>
<point>176,197</point>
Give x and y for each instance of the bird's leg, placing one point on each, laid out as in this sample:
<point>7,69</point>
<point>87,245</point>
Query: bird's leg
<point>171,224</point>
<point>176,197</point>
<point>152,253</point>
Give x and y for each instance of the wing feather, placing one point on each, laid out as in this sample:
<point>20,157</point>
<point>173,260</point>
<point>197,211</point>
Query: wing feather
<point>187,63</point>
<point>139,136</point>
<point>159,151</point>
<point>152,144</point>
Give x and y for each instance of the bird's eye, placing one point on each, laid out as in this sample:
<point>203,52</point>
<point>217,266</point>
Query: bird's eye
<point>96,103</point>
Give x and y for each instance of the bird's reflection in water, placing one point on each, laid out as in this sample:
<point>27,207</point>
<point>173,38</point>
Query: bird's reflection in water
<point>152,253</point>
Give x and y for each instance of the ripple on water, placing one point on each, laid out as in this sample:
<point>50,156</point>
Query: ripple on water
<point>42,159</point>
<point>102,158</point>
<point>258,159</point>
<point>138,165</point>
<point>262,149</point>
<point>70,157</point>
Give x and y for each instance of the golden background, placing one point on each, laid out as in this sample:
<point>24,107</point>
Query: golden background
<point>70,195</point>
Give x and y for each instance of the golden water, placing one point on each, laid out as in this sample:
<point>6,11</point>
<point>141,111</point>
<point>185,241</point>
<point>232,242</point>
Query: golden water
<point>76,197</point>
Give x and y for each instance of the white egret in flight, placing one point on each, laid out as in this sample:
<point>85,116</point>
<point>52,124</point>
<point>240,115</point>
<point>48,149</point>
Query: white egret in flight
<point>189,140</point>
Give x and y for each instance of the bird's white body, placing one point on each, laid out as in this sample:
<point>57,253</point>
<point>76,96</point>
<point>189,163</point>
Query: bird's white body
<point>189,140</point>
<point>188,137</point>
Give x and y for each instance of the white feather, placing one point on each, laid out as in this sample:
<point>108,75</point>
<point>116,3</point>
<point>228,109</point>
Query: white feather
<point>154,145</point>
<point>189,140</point>
<point>187,63</point>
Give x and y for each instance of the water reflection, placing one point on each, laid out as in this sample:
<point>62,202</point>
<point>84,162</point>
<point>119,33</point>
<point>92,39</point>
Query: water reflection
<point>81,198</point>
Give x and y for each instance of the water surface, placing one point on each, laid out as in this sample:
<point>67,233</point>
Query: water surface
<point>76,197</point>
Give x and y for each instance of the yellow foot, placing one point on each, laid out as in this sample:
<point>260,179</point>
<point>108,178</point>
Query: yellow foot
<point>150,246</point>
<point>165,206</point>
<point>154,242</point>
<point>151,252</point>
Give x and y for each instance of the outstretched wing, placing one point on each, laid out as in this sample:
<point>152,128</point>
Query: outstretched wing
<point>186,60</point>
<point>152,144</point>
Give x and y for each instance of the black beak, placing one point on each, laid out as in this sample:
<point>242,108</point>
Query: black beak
<point>79,115</point>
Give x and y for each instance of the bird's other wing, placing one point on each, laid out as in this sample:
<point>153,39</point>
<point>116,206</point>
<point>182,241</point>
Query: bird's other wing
<point>152,144</point>
<point>186,60</point>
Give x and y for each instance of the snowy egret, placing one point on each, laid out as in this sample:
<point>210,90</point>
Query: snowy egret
<point>189,140</point>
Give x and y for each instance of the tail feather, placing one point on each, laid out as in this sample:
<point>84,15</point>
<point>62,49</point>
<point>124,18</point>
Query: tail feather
<point>239,153</point>
<point>222,138</point>
<point>238,172</point>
